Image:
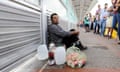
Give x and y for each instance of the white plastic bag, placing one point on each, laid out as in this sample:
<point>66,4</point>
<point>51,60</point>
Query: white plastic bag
<point>60,55</point>
<point>42,52</point>
<point>75,58</point>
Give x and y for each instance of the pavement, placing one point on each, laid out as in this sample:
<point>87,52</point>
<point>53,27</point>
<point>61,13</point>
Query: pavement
<point>103,55</point>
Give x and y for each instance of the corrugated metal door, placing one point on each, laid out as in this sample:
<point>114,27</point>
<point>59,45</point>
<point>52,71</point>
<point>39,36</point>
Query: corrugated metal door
<point>19,35</point>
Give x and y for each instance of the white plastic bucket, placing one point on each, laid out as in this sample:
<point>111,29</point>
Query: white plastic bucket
<point>42,52</point>
<point>60,55</point>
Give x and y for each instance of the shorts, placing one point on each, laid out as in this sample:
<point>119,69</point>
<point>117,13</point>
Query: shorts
<point>109,21</point>
<point>86,25</point>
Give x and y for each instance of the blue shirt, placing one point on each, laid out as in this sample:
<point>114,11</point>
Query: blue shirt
<point>103,14</point>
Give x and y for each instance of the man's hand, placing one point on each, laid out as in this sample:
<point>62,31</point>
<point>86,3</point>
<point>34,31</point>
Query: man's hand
<point>105,17</point>
<point>75,32</point>
<point>115,9</point>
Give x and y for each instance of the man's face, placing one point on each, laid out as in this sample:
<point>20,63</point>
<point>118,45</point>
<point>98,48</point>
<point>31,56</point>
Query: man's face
<point>55,19</point>
<point>106,6</point>
<point>98,6</point>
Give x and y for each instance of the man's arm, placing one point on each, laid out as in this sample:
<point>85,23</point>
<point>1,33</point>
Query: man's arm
<point>61,32</point>
<point>74,32</point>
<point>118,3</point>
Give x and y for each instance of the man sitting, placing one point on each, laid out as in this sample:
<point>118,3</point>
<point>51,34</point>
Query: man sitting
<point>57,34</point>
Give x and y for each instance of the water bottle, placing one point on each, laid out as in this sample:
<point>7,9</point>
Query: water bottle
<point>51,54</point>
<point>51,50</point>
<point>60,55</point>
<point>42,52</point>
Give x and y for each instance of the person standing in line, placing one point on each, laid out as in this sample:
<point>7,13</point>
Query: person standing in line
<point>91,24</point>
<point>116,16</point>
<point>97,21</point>
<point>86,23</point>
<point>103,18</point>
<point>109,22</point>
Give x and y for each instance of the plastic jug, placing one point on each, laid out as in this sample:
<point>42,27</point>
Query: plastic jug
<point>42,52</point>
<point>60,55</point>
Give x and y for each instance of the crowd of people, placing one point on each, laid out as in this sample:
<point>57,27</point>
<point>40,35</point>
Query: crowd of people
<point>105,18</point>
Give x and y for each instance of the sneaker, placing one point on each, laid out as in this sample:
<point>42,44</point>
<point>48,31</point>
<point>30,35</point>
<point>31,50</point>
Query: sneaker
<point>51,62</point>
<point>84,48</point>
<point>109,37</point>
<point>94,32</point>
<point>80,46</point>
<point>119,42</point>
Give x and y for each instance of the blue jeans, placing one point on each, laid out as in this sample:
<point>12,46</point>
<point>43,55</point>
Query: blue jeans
<point>96,26</point>
<point>102,26</point>
<point>116,19</point>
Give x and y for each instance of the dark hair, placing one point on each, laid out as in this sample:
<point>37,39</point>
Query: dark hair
<point>72,29</point>
<point>51,17</point>
<point>106,3</point>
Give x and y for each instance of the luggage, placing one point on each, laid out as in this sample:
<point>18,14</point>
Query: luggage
<point>114,33</point>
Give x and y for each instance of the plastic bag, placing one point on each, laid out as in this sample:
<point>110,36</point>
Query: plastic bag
<point>75,58</point>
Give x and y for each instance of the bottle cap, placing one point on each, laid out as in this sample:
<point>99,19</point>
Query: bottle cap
<point>52,45</point>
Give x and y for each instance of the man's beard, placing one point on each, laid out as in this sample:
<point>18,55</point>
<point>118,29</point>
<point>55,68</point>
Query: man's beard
<point>105,7</point>
<point>56,23</point>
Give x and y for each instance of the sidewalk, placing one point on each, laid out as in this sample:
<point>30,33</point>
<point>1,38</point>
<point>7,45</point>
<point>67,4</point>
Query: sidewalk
<point>103,55</point>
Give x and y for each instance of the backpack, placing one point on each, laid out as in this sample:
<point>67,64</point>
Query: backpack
<point>75,58</point>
